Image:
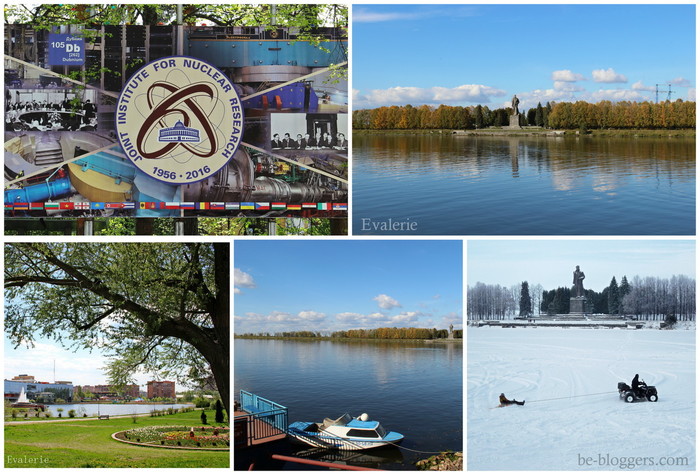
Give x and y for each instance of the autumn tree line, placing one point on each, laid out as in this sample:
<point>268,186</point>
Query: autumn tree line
<point>648,298</point>
<point>410,333</point>
<point>561,115</point>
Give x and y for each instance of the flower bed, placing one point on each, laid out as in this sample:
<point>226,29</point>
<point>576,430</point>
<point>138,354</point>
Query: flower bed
<point>177,436</point>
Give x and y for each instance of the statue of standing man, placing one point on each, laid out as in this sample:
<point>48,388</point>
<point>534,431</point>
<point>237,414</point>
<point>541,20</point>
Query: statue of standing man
<point>514,103</point>
<point>578,282</point>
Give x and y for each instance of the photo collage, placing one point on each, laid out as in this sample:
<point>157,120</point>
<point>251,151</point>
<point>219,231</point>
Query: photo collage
<point>392,236</point>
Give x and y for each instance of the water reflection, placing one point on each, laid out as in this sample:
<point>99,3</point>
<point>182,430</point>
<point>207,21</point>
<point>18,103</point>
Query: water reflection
<point>373,458</point>
<point>493,183</point>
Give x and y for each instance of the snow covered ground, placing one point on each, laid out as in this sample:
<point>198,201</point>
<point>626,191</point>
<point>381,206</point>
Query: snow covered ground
<point>590,432</point>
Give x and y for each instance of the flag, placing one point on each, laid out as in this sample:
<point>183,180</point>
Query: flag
<point>114,205</point>
<point>217,205</point>
<point>293,207</point>
<point>23,206</point>
<point>187,205</point>
<point>36,206</point>
<point>324,206</point>
<point>340,206</point>
<point>63,205</point>
<point>247,205</point>
<point>148,205</point>
<point>279,206</point>
<point>82,205</point>
<point>233,206</point>
<point>169,205</point>
<point>262,206</point>
<point>9,206</point>
<point>308,205</point>
<point>203,205</point>
<point>97,205</point>
<point>128,205</point>
<point>52,205</point>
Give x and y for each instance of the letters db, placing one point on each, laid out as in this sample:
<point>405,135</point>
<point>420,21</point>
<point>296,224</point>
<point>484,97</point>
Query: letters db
<point>66,50</point>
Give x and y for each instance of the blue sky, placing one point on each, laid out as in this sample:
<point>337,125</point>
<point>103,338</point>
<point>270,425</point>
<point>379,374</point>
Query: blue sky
<point>551,263</point>
<point>342,284</point>
<point>483,54</point>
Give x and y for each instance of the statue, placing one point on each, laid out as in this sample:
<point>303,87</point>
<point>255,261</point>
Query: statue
<point>514,103</point>
<point>578,282</point>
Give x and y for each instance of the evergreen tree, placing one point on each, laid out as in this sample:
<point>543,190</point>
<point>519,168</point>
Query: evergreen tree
<point>219,416</point>
<point>624,290</point>
<point>613,298</point>
<point>479,117</point>
<point>539,115</point>
<point>525,300</point>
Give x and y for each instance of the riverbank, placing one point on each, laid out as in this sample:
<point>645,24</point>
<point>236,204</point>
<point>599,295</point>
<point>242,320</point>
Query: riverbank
<point>538,131</point>
<point>80,443</point>
<point>349,340</point>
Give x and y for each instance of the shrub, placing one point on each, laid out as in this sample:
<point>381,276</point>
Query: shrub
<point>14,413</point>
<point>71,413</point>
<point>219,416</point>
<point>203,417</point>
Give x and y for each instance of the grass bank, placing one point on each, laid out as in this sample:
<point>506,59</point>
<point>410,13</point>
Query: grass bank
<point>88,443</point>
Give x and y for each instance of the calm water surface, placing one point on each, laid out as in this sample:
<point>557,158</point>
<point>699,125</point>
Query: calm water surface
<point>411,388</point>
<point>111,409</point>
<point>524,185</point>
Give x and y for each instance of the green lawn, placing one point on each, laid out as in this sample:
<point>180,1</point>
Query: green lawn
<point>79,443</point>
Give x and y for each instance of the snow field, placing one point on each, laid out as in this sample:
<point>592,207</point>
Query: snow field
<point>590,432</point>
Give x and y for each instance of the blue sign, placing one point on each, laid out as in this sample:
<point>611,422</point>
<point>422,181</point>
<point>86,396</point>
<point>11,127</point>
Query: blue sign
<point>66,50</point>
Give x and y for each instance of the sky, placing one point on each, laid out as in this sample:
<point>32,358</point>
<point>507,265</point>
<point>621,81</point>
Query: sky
<point>484,54</point>
<point>551,263</point>
<point>332,285</point>
<point>81,367</point>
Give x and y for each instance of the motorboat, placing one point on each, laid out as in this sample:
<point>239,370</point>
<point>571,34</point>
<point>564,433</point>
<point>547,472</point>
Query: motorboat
<point>344,433</point>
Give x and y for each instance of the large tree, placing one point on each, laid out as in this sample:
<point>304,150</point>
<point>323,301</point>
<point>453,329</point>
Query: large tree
<point>159,308</point>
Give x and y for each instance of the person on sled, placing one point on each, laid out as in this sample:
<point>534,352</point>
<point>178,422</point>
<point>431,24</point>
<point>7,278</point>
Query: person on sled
<point>507,402</point>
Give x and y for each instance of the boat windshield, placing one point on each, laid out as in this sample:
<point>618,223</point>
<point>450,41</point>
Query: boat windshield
<point>380,430</point>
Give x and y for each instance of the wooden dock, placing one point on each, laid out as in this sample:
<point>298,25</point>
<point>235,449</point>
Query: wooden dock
<point>250,431</point>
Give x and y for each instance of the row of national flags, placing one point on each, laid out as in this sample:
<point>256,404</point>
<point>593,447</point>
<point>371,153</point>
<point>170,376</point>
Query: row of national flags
<point>168,205</point>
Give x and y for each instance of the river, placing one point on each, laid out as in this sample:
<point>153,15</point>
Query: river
<point>530,185</point>
<point>413,388</point>
<point>111,409</point>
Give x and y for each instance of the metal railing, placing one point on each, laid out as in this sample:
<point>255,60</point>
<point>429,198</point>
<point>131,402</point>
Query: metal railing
<point>265,418</point>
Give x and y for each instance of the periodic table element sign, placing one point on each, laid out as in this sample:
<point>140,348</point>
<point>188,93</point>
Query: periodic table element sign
<point>66,50</point>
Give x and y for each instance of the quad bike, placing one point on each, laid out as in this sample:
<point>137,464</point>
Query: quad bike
<point>643,392</point>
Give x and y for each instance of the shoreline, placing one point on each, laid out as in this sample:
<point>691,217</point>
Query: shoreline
<point>539,132</point>
<point>351,340</point>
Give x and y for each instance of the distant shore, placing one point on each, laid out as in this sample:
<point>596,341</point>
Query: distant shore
<point>536,131</point>
<point>349,340</point>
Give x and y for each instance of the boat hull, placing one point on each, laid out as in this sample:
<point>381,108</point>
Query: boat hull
<point>316,439</point>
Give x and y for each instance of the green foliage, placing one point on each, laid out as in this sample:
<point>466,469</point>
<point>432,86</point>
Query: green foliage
<point>71,413</point>
<point>219,416</point>
<point>203,418</point>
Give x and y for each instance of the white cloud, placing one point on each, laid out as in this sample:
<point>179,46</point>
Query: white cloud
<point>616,95</point>
<point>566,75</point>
<point>278,321</point>
<point>691,94</point>
<point>400,95</point>
<point>681,82</point>
<point>386,302</point>
<point>242,279</point>
<point>639,86</point>
<point>567,86</point>
<point>608,76</point>
<point>360,15</point>
<point>377,320</point>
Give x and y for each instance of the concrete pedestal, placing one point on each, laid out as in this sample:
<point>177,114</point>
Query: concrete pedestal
<point>577,305</point>
<point>514,122</point>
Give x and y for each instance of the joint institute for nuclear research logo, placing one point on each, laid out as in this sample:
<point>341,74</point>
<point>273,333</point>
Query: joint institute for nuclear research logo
<point>179,119</point>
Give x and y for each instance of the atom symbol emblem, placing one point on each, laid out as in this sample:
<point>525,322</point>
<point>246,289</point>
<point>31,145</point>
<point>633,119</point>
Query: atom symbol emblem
<point>173,105</point>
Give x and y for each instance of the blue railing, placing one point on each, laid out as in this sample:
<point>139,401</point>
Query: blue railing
<point>265,418</point>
